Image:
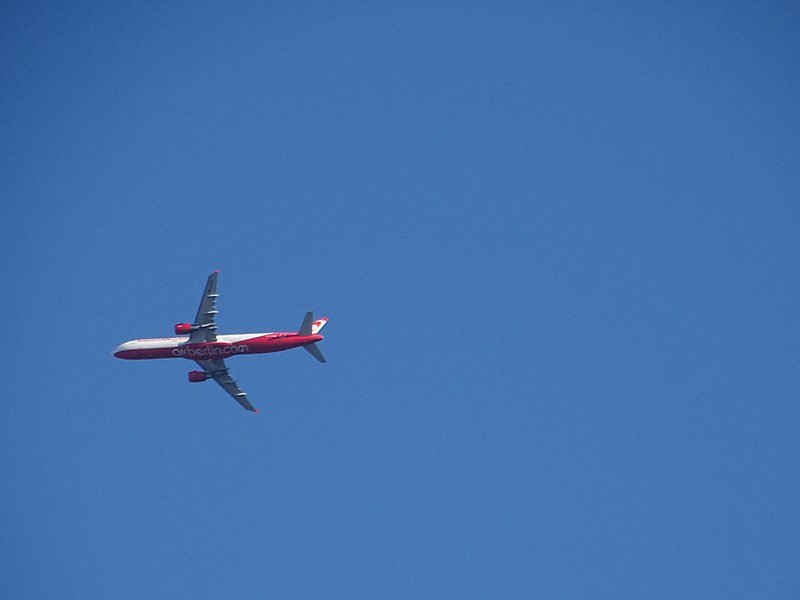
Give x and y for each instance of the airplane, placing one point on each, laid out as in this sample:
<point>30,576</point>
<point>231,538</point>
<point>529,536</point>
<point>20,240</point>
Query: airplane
<point>199,342</point>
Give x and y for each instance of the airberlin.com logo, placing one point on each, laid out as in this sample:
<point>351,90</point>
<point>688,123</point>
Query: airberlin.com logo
<point>204,351</point>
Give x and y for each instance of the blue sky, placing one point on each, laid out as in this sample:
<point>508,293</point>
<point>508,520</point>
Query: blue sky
<point>558,244</point>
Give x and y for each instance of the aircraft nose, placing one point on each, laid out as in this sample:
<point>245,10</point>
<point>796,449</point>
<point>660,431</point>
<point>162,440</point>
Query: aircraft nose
<point>117,350</point>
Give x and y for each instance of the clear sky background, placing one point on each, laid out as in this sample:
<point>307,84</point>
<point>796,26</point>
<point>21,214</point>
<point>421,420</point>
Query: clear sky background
<point>558,245</point>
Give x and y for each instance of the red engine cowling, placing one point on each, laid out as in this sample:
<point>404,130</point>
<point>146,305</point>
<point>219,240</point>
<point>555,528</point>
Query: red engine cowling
<point>197,376</point>
<point>183,328</point>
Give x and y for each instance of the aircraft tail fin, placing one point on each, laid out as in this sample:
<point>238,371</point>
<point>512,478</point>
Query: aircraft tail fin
<point>317,325</point>
<point>310,326</point>
<point>314,351</point>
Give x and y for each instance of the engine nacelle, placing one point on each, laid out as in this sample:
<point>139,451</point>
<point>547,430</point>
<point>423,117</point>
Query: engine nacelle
<point>198,376</point>
<point>183,328</point>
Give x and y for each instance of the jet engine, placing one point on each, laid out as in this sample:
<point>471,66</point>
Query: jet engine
<point>198,376</point>
<point>183,328</point>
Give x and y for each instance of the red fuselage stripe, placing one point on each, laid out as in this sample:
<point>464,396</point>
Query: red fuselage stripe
<point>220,350</point>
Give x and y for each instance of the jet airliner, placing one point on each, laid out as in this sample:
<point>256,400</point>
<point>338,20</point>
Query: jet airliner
<point>199,342</point>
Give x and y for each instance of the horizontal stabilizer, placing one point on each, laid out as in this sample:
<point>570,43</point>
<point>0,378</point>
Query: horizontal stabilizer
<point>308,321</point>
<point>314,351</point>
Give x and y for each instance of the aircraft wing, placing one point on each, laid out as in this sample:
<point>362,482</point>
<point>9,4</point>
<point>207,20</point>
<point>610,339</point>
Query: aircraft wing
<point>204,328</point>
<point>218,370</point>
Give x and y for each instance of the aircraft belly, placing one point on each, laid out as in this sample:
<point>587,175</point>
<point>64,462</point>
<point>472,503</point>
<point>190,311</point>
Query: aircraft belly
<point>145,353</point>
